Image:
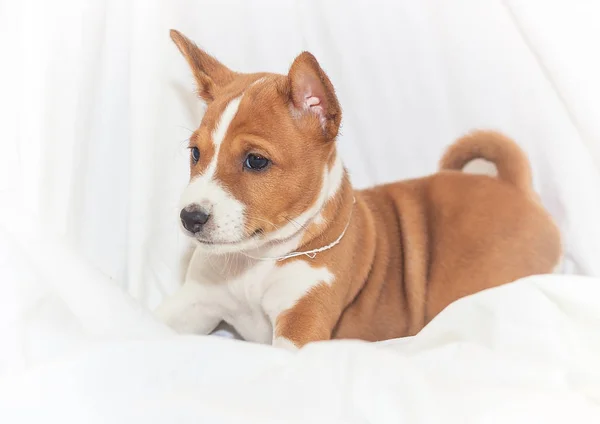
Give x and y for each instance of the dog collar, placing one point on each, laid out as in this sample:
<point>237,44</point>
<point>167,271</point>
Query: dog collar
<point>310,253</point>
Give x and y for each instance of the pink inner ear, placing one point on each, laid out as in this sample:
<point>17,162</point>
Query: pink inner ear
<point>311,101</point>
<point>308,94</point>
<point>314,105</point>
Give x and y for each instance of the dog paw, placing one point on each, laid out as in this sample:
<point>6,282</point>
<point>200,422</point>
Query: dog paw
<point>170,317</point>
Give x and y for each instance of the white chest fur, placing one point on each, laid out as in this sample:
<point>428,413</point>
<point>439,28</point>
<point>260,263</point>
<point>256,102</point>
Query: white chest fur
<point>249,294</point>
<point>233,287</point>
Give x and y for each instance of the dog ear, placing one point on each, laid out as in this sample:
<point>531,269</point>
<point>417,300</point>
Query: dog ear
<point>209,73</point>
<point>312,94</point>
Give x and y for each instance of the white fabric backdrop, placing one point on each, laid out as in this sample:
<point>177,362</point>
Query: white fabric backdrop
<point>97,104</point>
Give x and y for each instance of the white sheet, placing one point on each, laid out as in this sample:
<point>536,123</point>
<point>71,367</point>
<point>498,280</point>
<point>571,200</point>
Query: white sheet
<point>523,353</point>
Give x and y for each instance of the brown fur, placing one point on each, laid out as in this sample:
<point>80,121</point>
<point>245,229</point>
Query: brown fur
<point>411,248</point>
<point>414,247</point>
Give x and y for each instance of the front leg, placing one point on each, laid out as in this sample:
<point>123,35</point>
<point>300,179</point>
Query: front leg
<point>186,311</point>
<point>302,309</point>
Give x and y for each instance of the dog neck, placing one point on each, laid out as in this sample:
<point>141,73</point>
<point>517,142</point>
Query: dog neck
<point>323,231</point>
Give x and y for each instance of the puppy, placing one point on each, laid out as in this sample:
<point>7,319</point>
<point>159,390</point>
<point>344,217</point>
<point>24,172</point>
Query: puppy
<point>287,252</point>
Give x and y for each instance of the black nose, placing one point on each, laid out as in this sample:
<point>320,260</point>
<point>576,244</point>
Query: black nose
<point>193,218</point>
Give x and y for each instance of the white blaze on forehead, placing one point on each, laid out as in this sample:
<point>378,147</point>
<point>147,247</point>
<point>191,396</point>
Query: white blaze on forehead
<point>225,120</point>
<point>220,131</point>
<point>227,220</point>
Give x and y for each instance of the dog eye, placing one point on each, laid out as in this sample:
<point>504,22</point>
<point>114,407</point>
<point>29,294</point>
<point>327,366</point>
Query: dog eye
<point>195,154</point>
<point>256,162</point>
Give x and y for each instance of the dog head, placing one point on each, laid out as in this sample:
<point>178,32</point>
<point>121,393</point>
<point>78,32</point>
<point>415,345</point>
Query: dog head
<point>263,160</point>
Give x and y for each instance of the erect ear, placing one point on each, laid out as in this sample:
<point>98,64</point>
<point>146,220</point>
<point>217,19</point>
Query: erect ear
<point>209,73</point>
<point>313,94</point>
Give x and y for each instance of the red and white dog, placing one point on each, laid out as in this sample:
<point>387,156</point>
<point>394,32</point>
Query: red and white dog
<point>288,253</point>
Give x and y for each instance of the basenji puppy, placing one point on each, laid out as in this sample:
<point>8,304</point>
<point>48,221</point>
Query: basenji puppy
<point>288,253</point>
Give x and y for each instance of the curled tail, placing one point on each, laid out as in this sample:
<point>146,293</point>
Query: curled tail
<point>511,162</point>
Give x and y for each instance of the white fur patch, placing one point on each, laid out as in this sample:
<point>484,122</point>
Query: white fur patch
<point>336,175</point>
<point>481,166</point>
<point>220,131</point>
<point>319,219</point>
<point>227,221</point>
<point>249,295</point>
<point>294,281</point>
